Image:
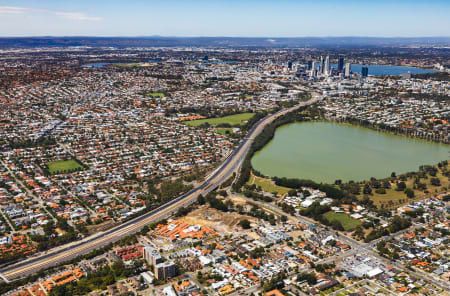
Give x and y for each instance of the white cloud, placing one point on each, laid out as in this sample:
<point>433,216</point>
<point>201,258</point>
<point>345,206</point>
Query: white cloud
<point>13,10</point>
<point>63,14</point>
<point>77,16</point>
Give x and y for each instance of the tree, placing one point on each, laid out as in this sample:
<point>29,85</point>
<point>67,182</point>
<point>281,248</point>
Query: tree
<point>395,255</point>
<point>367,189</point>
<point>118,268</point>
<point>359,233</point>
<point>310,278</point>
<point>108,279</point>
<point>435,182</point>
<point>201,200</point>
<point>380,191</point>
<point>401,186</point>
<point>332,243</point>
<point>337,225</point>
<point>292,192</point>
<point>245,224</point>
<point>398,223</point>
<point>409,192</point>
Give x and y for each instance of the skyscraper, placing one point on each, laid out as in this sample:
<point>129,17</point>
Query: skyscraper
<point>341,64</point>
<point>313,69</point>
<point>327,66</point>
<point>347,70</point>
<point>310,63</point>
<point>322,66</point>
<point>365,71</point>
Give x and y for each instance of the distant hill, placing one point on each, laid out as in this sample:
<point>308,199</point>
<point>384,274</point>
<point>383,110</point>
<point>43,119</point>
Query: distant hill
<point>22,42</point>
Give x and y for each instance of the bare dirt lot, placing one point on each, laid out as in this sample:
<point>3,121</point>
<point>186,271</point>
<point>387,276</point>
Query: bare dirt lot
<point>219,221</point>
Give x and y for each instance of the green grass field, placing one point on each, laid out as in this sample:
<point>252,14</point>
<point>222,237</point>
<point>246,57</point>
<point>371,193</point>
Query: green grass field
<point>128,65</point>
<point>155,95</point>
<point>223,131</point>
<point>232,120</point>
<point>347,222</point>
<point>267,185</point>
<point>63,165</point>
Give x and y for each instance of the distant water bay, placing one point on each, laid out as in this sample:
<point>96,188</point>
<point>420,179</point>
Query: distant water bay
<point>381,70</point>
<point>326,151</point>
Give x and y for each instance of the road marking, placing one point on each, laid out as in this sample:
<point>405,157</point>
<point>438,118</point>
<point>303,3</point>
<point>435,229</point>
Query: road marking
<point>4,278</point>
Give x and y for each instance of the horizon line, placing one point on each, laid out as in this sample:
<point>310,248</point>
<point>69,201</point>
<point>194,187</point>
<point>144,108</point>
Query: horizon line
<point>218,36</point>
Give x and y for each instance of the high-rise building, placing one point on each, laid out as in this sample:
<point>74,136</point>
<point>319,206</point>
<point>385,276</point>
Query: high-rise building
<point>152,256</point>
<point>341,64</point>
<point>313,69</point>
<point>406,75</point>
<point>347,70</point>
<point>365,71</point>
<point>327,66</point>
<point>310,63</point>
<point>322,66</point>
<point>165,270</point>
<point>290,65</point>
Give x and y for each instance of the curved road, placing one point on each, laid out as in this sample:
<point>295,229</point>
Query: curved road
<point>84,246</point>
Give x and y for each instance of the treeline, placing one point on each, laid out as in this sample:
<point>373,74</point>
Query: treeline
<point>330,190</point>
<point>51,239</point>
<point>219,79</point>
<point>396,224</point>
<point>439,76</point>
<point>165,76</point>
<point>257,117</point>
<point>10,257</point>
<point>168,190</point>
<point>429,97</point>
<point>316,211</point>
<point>229,181</point>
<point>184,211</point>
<point>395,130</point>
<point>208,112</point>
<point>215,203</point>
<point>29,143</point>
<point>257,196</point>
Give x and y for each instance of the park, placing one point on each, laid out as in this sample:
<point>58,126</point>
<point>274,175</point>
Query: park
<point>236,119</point>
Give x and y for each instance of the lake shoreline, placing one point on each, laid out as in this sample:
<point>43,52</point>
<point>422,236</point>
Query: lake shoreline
<point>421,147</point>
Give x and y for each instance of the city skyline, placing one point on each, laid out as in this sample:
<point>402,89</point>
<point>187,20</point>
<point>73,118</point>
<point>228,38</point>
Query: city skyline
<point>225,18</point>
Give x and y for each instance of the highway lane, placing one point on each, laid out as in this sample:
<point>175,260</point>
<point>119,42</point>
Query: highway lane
<point>72,250</point>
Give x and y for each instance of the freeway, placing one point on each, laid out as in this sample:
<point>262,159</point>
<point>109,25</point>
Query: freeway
<point>230,165</point>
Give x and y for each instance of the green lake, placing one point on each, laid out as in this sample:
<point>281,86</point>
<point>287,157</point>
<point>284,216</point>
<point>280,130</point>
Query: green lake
<point>326,151</point>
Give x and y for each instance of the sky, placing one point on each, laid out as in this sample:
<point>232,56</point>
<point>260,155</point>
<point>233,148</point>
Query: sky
<point>230,18</point>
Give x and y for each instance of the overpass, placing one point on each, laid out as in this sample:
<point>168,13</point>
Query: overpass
<point>69,251</point>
